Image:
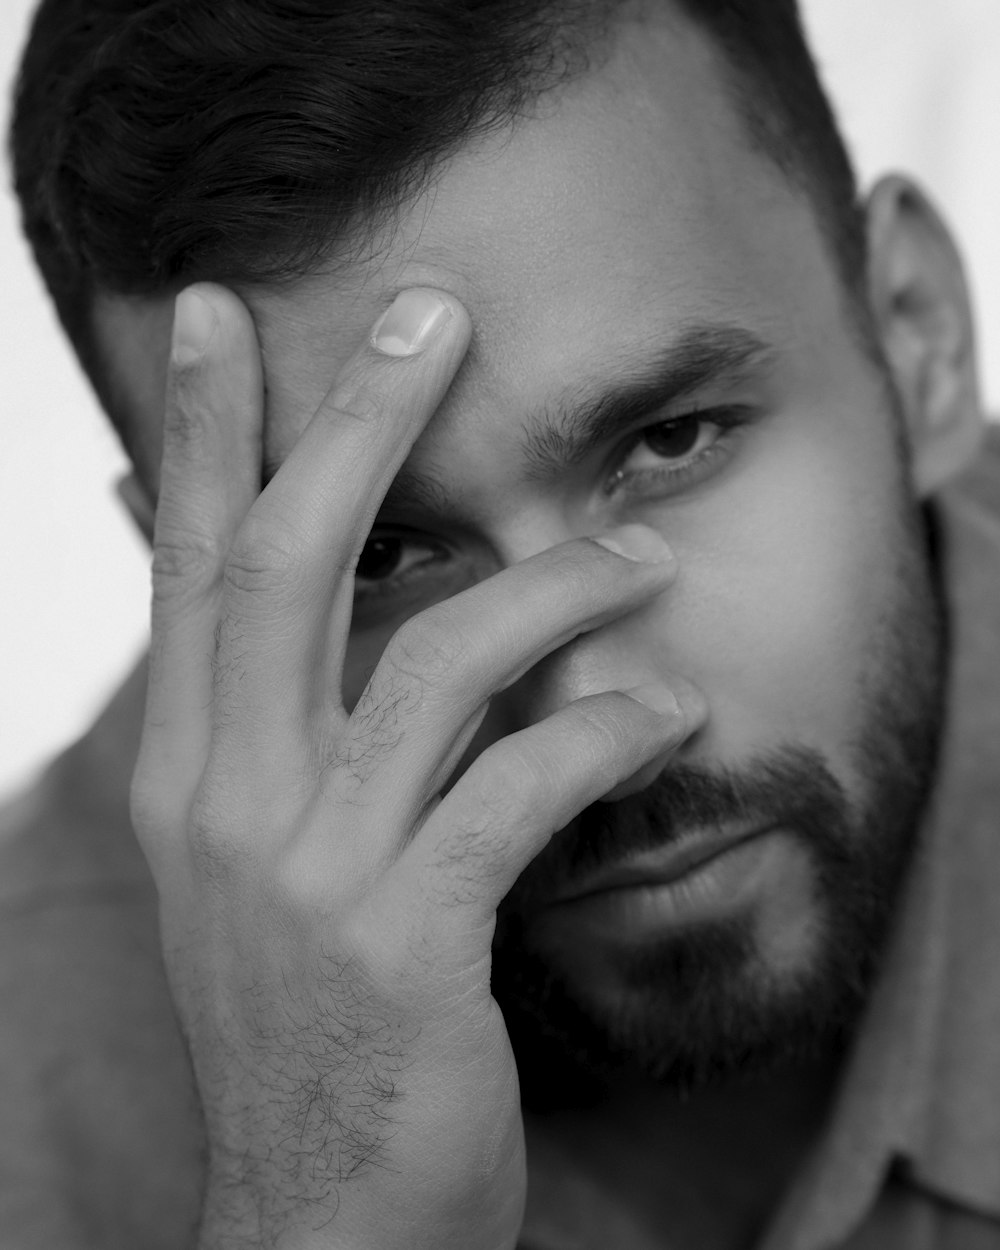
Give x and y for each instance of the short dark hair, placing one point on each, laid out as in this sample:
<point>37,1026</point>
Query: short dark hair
<point>159,142</point>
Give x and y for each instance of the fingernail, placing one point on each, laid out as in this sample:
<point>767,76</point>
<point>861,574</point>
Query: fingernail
<point>194,324</point>
<point>636,542</point>
<point>410,323</point>
<point>658,699</point>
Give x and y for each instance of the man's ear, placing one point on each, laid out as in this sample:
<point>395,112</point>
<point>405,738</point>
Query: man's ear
<point>921,306</point>
<point>133,495</point>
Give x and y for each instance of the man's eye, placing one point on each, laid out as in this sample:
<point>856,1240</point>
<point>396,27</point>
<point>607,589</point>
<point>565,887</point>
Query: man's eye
<point>681,452</point>
<point>675,439</point>
<point>391,556</point>
<point>400,571</point>
<point>683,439</point>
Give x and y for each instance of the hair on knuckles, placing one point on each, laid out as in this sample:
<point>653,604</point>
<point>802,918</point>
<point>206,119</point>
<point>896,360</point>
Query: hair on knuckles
<point>159,142</point>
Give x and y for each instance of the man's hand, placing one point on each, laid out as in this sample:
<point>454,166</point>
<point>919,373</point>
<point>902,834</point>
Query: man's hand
<point>327,916</point>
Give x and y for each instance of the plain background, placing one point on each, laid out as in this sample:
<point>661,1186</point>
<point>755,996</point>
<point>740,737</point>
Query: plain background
<point>917,88</point>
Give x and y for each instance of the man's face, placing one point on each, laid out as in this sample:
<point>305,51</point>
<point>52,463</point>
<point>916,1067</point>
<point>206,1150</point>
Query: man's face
<point>628,241</point>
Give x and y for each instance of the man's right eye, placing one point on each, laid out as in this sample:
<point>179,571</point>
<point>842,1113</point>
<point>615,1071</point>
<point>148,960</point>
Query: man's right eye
<point>394,557</point>
<point>402,571</point>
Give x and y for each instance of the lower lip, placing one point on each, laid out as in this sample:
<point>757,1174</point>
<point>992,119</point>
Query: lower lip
<point>712,890</point>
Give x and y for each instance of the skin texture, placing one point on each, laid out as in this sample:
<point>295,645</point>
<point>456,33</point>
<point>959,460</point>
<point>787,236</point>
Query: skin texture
<point>327,918</point>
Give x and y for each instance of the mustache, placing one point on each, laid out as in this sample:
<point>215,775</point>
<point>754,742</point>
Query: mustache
<point>791,787</point>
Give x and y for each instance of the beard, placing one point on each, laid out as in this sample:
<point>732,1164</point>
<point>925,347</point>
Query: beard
<point>700,1005</point>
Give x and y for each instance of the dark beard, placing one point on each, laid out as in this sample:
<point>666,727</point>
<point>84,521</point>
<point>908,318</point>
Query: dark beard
<point>699,1006</point>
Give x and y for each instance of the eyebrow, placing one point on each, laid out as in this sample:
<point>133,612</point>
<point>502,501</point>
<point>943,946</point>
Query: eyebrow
<point>582,420</point>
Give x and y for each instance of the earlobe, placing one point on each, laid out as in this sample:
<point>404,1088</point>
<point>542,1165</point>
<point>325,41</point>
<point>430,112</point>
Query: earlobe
<point>133,495</point>
<point>921,307</point>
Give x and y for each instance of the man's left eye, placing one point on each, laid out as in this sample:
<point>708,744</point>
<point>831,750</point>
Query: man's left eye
<point>680,452</point>
<point>680,440</point>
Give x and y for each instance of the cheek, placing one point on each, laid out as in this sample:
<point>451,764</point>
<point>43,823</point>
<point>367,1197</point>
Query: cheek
<point>784,591</point>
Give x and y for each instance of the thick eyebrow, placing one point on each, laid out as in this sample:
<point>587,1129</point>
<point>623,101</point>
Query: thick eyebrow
<point>583,419</point>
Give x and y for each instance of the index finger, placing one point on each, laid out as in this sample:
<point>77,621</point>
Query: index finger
<point>288,584</point>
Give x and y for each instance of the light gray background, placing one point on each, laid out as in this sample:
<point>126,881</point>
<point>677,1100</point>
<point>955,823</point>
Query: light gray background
<point>917,89</point>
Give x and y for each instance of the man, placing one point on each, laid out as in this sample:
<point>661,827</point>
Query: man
<point>567,788</point>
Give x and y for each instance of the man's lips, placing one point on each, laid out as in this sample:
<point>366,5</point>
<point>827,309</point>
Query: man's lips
<point>662,866</point>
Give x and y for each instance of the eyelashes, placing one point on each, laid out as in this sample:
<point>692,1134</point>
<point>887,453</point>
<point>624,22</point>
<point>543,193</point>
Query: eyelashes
<point>678,451</point>
<point>402,569</point>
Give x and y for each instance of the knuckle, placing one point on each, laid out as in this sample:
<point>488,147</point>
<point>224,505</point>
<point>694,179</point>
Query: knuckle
<point>184,563</point>
<point>429,649</point>
<point>359,404</point>
<point>265,559</point>
<point>215,846</point>
<point>507,788</point>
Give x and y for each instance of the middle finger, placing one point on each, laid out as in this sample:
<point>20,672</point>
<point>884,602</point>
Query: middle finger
<point>291,565</point>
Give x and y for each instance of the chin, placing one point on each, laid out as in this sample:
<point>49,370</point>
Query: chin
<point>700,1008</point>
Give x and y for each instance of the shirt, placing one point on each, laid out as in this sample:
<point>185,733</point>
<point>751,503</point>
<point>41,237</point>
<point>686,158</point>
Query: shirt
<point>100,1141</point>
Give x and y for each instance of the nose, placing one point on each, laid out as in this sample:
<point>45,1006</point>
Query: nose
<point>630,655</point>
<point>630,652</point>
<point>624,654</point>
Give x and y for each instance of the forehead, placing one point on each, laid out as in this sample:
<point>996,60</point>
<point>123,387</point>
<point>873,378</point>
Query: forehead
<point>628,204</point>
